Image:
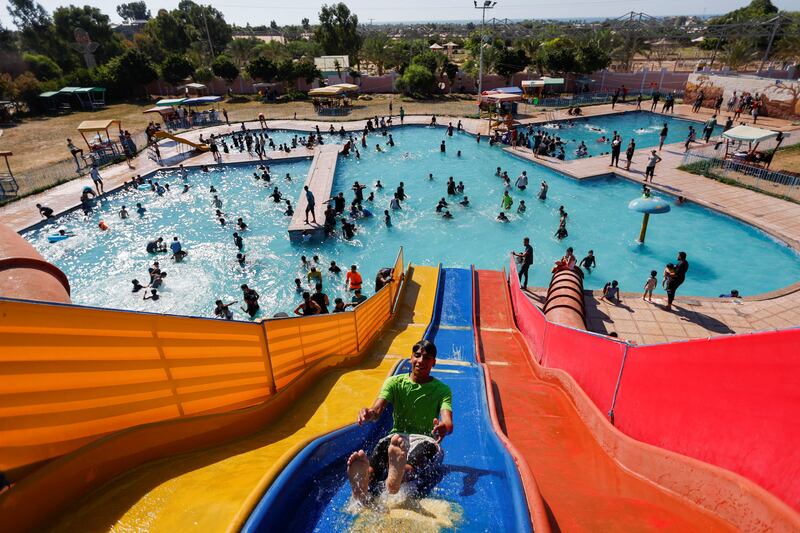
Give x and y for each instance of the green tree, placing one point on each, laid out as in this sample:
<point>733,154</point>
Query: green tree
<point>306,25</point>
<point>241,50</point>
<point>433,61</point>
<point>205,22</point>
<point>27,89</point>
<point>67,19</point>
<point>225,68</point>
<point>7,40</point>
<point>169,31</point>
<point>203,75</point>
<point>307,70</point>
<point>128,73</point>
<point>510,61</point>
<point>417,81</point>
<point>738,53</point>
<point>261,68</point>
<point>36,31</point>
<point>303,48</point>
<point>558,56</point>
<point>42,67</point>
<point>451,71</point>
<point>338,31</point>
<point>273,25</point>
<point>176,68</point>
<point>133,11</point>
<point>591,56</point>
<point>375,50</point>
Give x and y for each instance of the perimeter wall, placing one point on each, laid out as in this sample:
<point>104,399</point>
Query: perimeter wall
<point>731,401</point>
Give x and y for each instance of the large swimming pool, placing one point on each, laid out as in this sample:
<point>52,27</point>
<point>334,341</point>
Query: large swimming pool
<point>100,265</point>
<point>642,126</point>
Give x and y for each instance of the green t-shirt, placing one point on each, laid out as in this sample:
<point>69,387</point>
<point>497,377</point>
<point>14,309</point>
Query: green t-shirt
<point>416,405</point>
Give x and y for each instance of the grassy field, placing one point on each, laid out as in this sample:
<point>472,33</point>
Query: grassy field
<point>39,142</point>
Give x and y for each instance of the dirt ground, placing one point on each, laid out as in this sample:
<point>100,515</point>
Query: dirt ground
<point>41,141</point>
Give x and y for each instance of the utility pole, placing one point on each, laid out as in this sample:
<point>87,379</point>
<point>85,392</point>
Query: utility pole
<point>208,34</point>
<point>769,46</point>
<point>487,4</point>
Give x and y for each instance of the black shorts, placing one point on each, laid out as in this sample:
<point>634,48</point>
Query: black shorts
<point>424,455</point>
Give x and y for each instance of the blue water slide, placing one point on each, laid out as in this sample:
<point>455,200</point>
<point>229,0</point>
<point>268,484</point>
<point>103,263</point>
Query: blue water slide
<point>451,328</point>
<point>481,489</point>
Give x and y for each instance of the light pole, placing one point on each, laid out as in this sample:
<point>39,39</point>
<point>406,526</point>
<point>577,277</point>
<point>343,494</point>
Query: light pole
<point>487,4</point>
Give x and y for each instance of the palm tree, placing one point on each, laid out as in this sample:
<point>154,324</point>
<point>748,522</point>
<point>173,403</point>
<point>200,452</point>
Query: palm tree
<point>242,50</point>
<point>738,53</point>
<point>374,50</point>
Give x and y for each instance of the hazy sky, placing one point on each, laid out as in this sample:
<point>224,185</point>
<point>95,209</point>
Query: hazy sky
<point>289,12</point>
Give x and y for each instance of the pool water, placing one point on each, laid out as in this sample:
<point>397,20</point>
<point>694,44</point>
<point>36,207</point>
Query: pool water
<point>100,265</point>
<point>644,127</point>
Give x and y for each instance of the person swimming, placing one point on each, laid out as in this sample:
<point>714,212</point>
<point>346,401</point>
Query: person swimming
<point>464,201</point>
<point>521,208</point>
<point>502,217</point>
<point>447,214</point>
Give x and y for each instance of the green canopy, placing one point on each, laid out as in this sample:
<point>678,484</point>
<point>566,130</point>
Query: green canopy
<point>170,102</point>
<point>48,94</point>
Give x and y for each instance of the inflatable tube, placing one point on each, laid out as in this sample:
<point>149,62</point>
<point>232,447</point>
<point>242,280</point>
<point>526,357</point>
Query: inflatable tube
<point>24,274</point>
<point>57,237</point>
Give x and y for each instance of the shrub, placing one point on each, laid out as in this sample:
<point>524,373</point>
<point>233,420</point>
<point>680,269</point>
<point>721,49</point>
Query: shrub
<point>416,81</point>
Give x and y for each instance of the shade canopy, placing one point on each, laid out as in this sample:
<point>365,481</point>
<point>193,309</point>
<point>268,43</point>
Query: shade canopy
<point>98,125</point>
<point>749,134</point>
<point>48,94</point>
<point>451,44</point>
<point>84,90</point>
<point>168,102</point>
<point>202,100</point>
<point>500,97</point>
<point>651,205</point>
<point>436,46</point>
<point>541,82</point>
<point>69,90</point>
<point>507,90</point>
<point>333,90</point>
<point>192,86</point>
<point>160,110</point>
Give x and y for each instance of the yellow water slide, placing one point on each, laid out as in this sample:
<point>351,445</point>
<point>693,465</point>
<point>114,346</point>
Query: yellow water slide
<point>168,469</point>
<point>166,135</point>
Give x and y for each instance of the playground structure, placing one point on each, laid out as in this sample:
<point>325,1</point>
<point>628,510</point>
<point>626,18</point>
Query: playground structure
<point>166,109</point>
<point>8,184</point>
<point>97,393</point>
<point>181,141</point>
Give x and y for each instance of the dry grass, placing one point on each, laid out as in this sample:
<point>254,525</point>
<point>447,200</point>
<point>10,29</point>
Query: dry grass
<point>40,142</point>
<point>787,159</point>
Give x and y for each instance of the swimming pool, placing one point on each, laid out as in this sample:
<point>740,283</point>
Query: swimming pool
<point>100,265</point>
<point>644,127</point>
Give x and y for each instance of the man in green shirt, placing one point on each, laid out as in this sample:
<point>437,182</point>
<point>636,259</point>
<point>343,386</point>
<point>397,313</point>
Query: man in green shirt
<point>422,416</point>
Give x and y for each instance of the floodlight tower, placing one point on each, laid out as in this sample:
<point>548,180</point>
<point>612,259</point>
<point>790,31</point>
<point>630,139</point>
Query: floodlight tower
<point>487,4</point>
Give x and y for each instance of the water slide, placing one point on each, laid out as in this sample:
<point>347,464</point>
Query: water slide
<point>583,485</point>
<point>213,489</point>
<point>481,489</point>
<point>160,134</point>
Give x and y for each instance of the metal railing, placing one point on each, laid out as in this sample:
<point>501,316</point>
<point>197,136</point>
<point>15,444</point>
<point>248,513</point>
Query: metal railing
<point>745,174</point>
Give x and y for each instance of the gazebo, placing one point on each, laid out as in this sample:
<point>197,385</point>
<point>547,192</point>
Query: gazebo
<point>103,150</point>
<point>450,47</point>
<point>333,99</point>
<point>195,88</point>
<point>533,89</point>
<point>753,137</point>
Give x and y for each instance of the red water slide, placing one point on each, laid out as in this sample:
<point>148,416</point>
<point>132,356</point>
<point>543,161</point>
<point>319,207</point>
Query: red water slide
<point>591,476</point>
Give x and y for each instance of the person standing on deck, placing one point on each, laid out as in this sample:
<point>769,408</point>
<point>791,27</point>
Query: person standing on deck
<point>526,256</point>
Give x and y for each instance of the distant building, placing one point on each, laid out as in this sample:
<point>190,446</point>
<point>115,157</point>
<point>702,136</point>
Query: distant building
<point>280,39</point>
<point>327,64</point>
<point>129,28</point>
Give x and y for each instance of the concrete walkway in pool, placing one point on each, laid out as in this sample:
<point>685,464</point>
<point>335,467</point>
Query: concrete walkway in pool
<point>639,321</point>
<point>692,317</point>
<point>320,183</point>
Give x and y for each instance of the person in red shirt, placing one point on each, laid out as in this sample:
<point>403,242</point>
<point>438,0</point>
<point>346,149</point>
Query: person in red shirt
<point>353,279</point>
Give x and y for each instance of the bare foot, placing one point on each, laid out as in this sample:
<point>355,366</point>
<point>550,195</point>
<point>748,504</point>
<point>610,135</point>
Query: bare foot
<point>398,454</point>
<point>359,472</point>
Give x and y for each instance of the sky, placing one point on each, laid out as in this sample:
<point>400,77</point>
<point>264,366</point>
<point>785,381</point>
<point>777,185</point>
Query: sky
<point>258,12</point>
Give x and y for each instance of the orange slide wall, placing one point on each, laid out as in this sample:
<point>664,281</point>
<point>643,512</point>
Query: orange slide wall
<point>71,375</point>
<point>729,401</point>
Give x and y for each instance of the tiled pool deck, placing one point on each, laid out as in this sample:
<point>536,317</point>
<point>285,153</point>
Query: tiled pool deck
<point>635,320</point>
